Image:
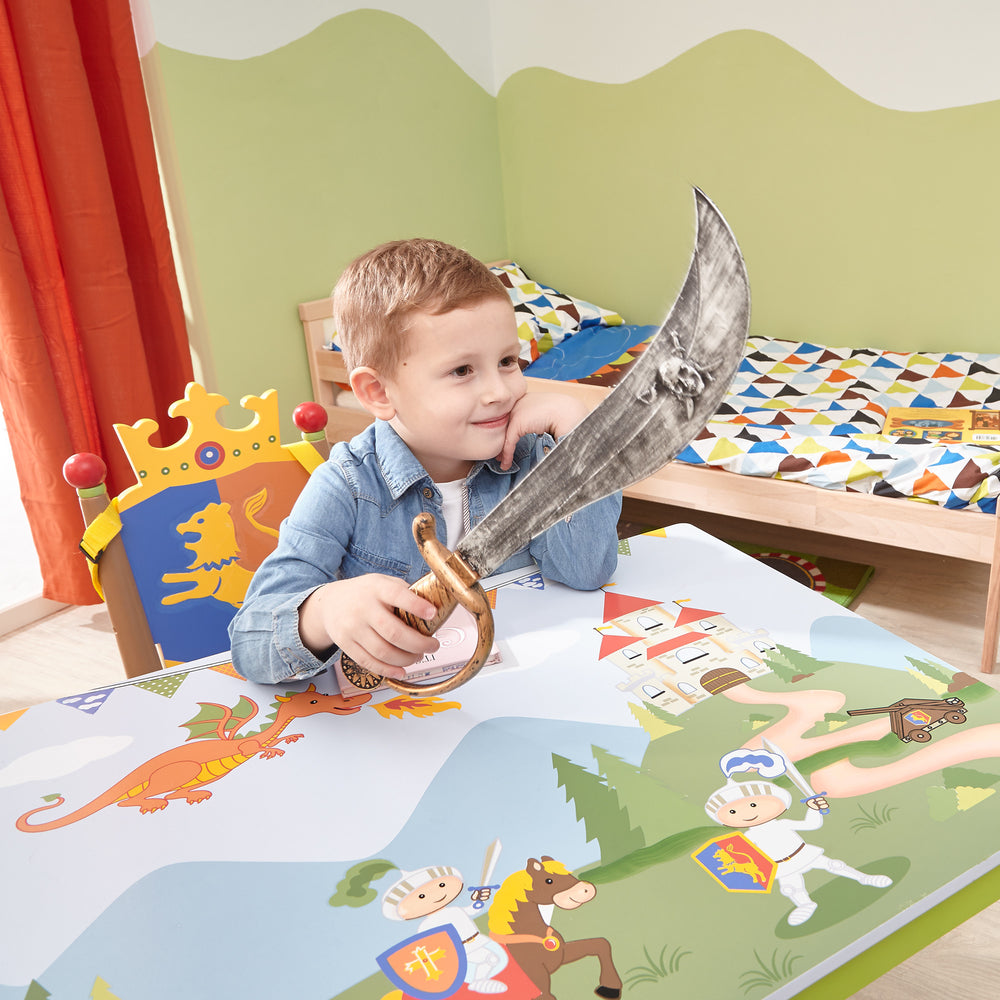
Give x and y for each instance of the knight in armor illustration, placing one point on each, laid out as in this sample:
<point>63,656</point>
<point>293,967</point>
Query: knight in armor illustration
<point>427,895</point>
<point>756,807</point>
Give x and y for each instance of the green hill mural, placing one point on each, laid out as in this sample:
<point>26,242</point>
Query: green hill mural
<point>294,162</point>
<point>860,225</point>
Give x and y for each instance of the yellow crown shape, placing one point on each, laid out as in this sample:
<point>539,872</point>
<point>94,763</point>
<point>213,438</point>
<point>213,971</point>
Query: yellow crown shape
<point>207,450</point>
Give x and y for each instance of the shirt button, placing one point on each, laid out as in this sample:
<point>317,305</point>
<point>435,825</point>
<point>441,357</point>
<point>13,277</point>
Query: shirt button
<point>428,493</point>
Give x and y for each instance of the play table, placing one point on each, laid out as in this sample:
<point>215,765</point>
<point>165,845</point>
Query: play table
<point>550,829</point>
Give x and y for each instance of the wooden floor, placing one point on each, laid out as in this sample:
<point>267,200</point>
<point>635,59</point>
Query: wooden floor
<point>934,602</point>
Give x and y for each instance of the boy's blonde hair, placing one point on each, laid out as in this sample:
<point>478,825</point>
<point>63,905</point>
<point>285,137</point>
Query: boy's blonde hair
<point>379,292</point>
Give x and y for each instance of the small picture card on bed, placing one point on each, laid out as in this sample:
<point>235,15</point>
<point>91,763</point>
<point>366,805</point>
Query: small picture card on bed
<point>932,424</point>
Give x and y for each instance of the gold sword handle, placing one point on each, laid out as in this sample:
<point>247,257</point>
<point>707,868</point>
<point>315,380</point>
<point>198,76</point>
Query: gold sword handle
<point>451,581</point>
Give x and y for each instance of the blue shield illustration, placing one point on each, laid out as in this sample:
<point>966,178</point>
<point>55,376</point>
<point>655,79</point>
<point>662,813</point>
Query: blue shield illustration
<point>736,864</point>
<point>430,965</point>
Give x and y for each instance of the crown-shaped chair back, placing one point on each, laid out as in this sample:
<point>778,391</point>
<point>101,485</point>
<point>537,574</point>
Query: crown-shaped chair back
<point>203,514</point>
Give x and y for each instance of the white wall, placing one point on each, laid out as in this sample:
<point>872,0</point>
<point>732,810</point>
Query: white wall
<point>915,56</point>
<point>912,56</point>
<point>240,29</point>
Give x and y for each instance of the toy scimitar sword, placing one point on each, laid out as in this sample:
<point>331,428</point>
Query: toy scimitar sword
<point>664,400</point>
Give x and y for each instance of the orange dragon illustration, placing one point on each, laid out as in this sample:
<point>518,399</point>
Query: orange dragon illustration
<point>182,771</point>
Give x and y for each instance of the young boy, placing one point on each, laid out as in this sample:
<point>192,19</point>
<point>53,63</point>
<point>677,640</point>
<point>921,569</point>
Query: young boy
<point>430,341</point>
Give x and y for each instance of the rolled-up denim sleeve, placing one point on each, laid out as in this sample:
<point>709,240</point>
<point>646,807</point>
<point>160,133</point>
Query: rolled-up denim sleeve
<point>581,550</point>
<point>266,645</point>
<point>264,636</point>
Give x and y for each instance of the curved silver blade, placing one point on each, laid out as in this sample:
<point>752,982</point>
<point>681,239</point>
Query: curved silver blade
<point>664,400</point>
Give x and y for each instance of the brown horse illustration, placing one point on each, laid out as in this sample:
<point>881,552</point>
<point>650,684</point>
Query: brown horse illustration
<point>519,920</point>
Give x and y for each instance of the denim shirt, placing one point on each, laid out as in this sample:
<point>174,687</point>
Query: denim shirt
<point>355,516</point>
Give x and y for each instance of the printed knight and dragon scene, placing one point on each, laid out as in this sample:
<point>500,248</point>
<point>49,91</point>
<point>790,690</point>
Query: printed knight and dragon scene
<point>704,779</point>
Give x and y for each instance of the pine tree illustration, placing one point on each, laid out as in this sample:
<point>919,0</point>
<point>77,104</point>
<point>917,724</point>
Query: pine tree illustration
<point>604,818</point>
<point>788,663</point>
<point>654,720</point>
<point>830,722</point>
<point>101,991</point>
<point>36,991</point>
<point>932,670</point>
<point>970,777</point>
<point>653,807</point>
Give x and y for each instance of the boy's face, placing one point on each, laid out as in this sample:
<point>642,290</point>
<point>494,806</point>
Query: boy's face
<point>453,391</point>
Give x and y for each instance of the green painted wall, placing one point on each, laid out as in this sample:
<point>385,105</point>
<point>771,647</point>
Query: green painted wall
<point>859,225</point>
<point>294,162</point>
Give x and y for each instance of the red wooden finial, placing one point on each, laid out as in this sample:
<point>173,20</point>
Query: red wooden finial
<point>309,417</point>
<point>84,471</point>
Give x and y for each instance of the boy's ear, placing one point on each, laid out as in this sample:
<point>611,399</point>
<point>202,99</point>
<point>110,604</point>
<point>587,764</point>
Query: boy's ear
<point>369,390</point>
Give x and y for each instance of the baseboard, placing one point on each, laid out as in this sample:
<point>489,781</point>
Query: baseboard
<point>27,612</point>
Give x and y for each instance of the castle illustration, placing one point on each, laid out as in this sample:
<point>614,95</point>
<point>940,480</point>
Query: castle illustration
<point>675,655</point>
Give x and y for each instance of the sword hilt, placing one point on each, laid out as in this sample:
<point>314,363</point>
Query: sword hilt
<point>479,897</point>
<point>450,582</point>
<point>818,795</point>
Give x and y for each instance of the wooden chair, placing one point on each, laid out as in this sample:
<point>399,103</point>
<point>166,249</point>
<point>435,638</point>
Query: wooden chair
<point>172,555</point>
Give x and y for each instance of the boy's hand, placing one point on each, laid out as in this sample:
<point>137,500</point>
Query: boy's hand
<point>540,413</point>
<point>357,615</point>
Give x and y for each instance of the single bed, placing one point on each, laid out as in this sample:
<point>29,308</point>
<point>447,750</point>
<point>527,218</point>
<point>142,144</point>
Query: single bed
<point>797,443</point>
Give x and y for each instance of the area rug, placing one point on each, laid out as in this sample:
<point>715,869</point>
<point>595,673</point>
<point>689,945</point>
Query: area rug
<point>837,579</point>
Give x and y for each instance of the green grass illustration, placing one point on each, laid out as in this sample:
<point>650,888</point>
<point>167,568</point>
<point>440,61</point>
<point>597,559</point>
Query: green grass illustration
<point>656,969</point>
<point>769,974</point>
<point>871,819</point>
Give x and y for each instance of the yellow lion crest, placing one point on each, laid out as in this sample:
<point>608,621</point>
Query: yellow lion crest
<point>215,571</point>
<point>728,864</point>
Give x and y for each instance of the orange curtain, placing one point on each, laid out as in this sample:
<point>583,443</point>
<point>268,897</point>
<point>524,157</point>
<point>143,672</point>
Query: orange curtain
<point>91,323</point>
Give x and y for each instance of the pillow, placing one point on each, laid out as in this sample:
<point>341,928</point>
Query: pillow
<point>546,317</point>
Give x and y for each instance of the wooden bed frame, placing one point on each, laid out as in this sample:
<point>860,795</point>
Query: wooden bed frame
<point>680,492</point>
